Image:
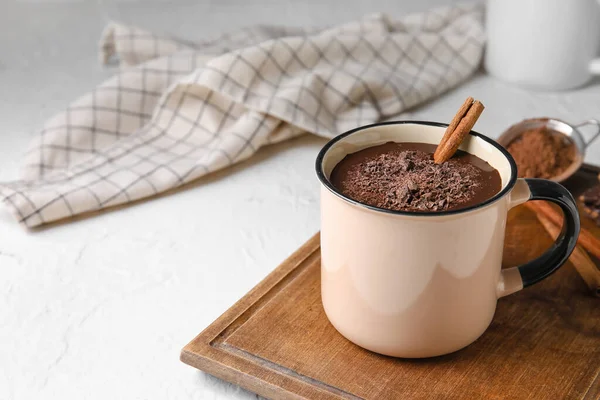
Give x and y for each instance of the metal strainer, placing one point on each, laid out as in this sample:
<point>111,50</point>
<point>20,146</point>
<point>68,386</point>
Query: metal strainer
<point>571,131</point>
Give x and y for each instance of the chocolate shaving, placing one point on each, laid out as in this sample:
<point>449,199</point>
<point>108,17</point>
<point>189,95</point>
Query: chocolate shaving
<point>591,203</point>
<point>410,180</point>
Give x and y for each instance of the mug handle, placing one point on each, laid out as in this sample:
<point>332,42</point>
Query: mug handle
<point>516,278</point>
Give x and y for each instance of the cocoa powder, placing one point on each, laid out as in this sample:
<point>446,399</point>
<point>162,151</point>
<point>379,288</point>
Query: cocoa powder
<point>542,153</point>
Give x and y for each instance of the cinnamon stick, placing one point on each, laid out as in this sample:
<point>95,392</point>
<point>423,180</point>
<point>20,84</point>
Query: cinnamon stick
<point>455,121</point>
<point>586,238</point>
<point>579,258</point>
<point>452,140</point>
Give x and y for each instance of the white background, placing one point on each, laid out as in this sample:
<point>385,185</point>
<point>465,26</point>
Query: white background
<point>99,308</point>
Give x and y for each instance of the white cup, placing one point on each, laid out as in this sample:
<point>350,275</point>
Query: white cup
<point>543,44</point>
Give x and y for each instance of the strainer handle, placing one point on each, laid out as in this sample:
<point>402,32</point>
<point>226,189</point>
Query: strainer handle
<point>590,122</point>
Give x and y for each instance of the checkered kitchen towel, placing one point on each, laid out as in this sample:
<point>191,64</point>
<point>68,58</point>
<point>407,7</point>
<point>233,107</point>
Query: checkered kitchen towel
<point>179,110</point>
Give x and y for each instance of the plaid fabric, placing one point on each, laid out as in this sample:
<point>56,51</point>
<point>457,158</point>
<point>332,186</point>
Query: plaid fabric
<point>179,110</point>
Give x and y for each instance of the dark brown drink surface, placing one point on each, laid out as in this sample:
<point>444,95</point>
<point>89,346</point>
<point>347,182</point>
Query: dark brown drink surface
<point>404,177</point>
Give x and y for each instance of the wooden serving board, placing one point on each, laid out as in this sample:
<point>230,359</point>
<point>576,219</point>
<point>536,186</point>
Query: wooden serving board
<point>544,341</point>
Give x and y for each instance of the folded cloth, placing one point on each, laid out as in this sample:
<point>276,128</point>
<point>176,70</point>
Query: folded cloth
<point>179,110</point>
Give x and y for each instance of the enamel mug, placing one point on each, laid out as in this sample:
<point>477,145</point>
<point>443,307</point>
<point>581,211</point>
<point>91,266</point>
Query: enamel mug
<point>543,44</point>
<point>417,285</point>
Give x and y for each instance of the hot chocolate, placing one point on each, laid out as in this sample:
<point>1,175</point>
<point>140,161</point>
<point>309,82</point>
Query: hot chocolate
<point>404,177</point>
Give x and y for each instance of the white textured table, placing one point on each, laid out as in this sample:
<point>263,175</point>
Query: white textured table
<point>100,308</point>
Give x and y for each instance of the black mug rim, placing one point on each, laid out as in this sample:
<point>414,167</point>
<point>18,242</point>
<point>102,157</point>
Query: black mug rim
<point>325,181</point>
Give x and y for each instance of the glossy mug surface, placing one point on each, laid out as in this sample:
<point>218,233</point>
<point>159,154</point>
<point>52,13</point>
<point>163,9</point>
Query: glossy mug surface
<point>419,285</point>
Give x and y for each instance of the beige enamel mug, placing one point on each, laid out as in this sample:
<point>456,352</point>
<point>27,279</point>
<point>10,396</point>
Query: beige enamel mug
<point>416,285</point>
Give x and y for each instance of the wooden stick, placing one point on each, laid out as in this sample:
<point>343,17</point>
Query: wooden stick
<point>447,148</point>
<point>586,238</point>
<point>454,123</point>
<point>581,261</point>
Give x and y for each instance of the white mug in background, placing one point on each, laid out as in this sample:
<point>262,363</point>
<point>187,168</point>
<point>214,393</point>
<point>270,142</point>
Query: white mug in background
<point>543,44</point>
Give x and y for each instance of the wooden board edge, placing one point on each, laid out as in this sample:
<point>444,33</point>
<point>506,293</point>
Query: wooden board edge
<point>271,280</point>
<point>214,364</point>
<point>590,168</point>
<point>254,376</point>
<point>203,354</point>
